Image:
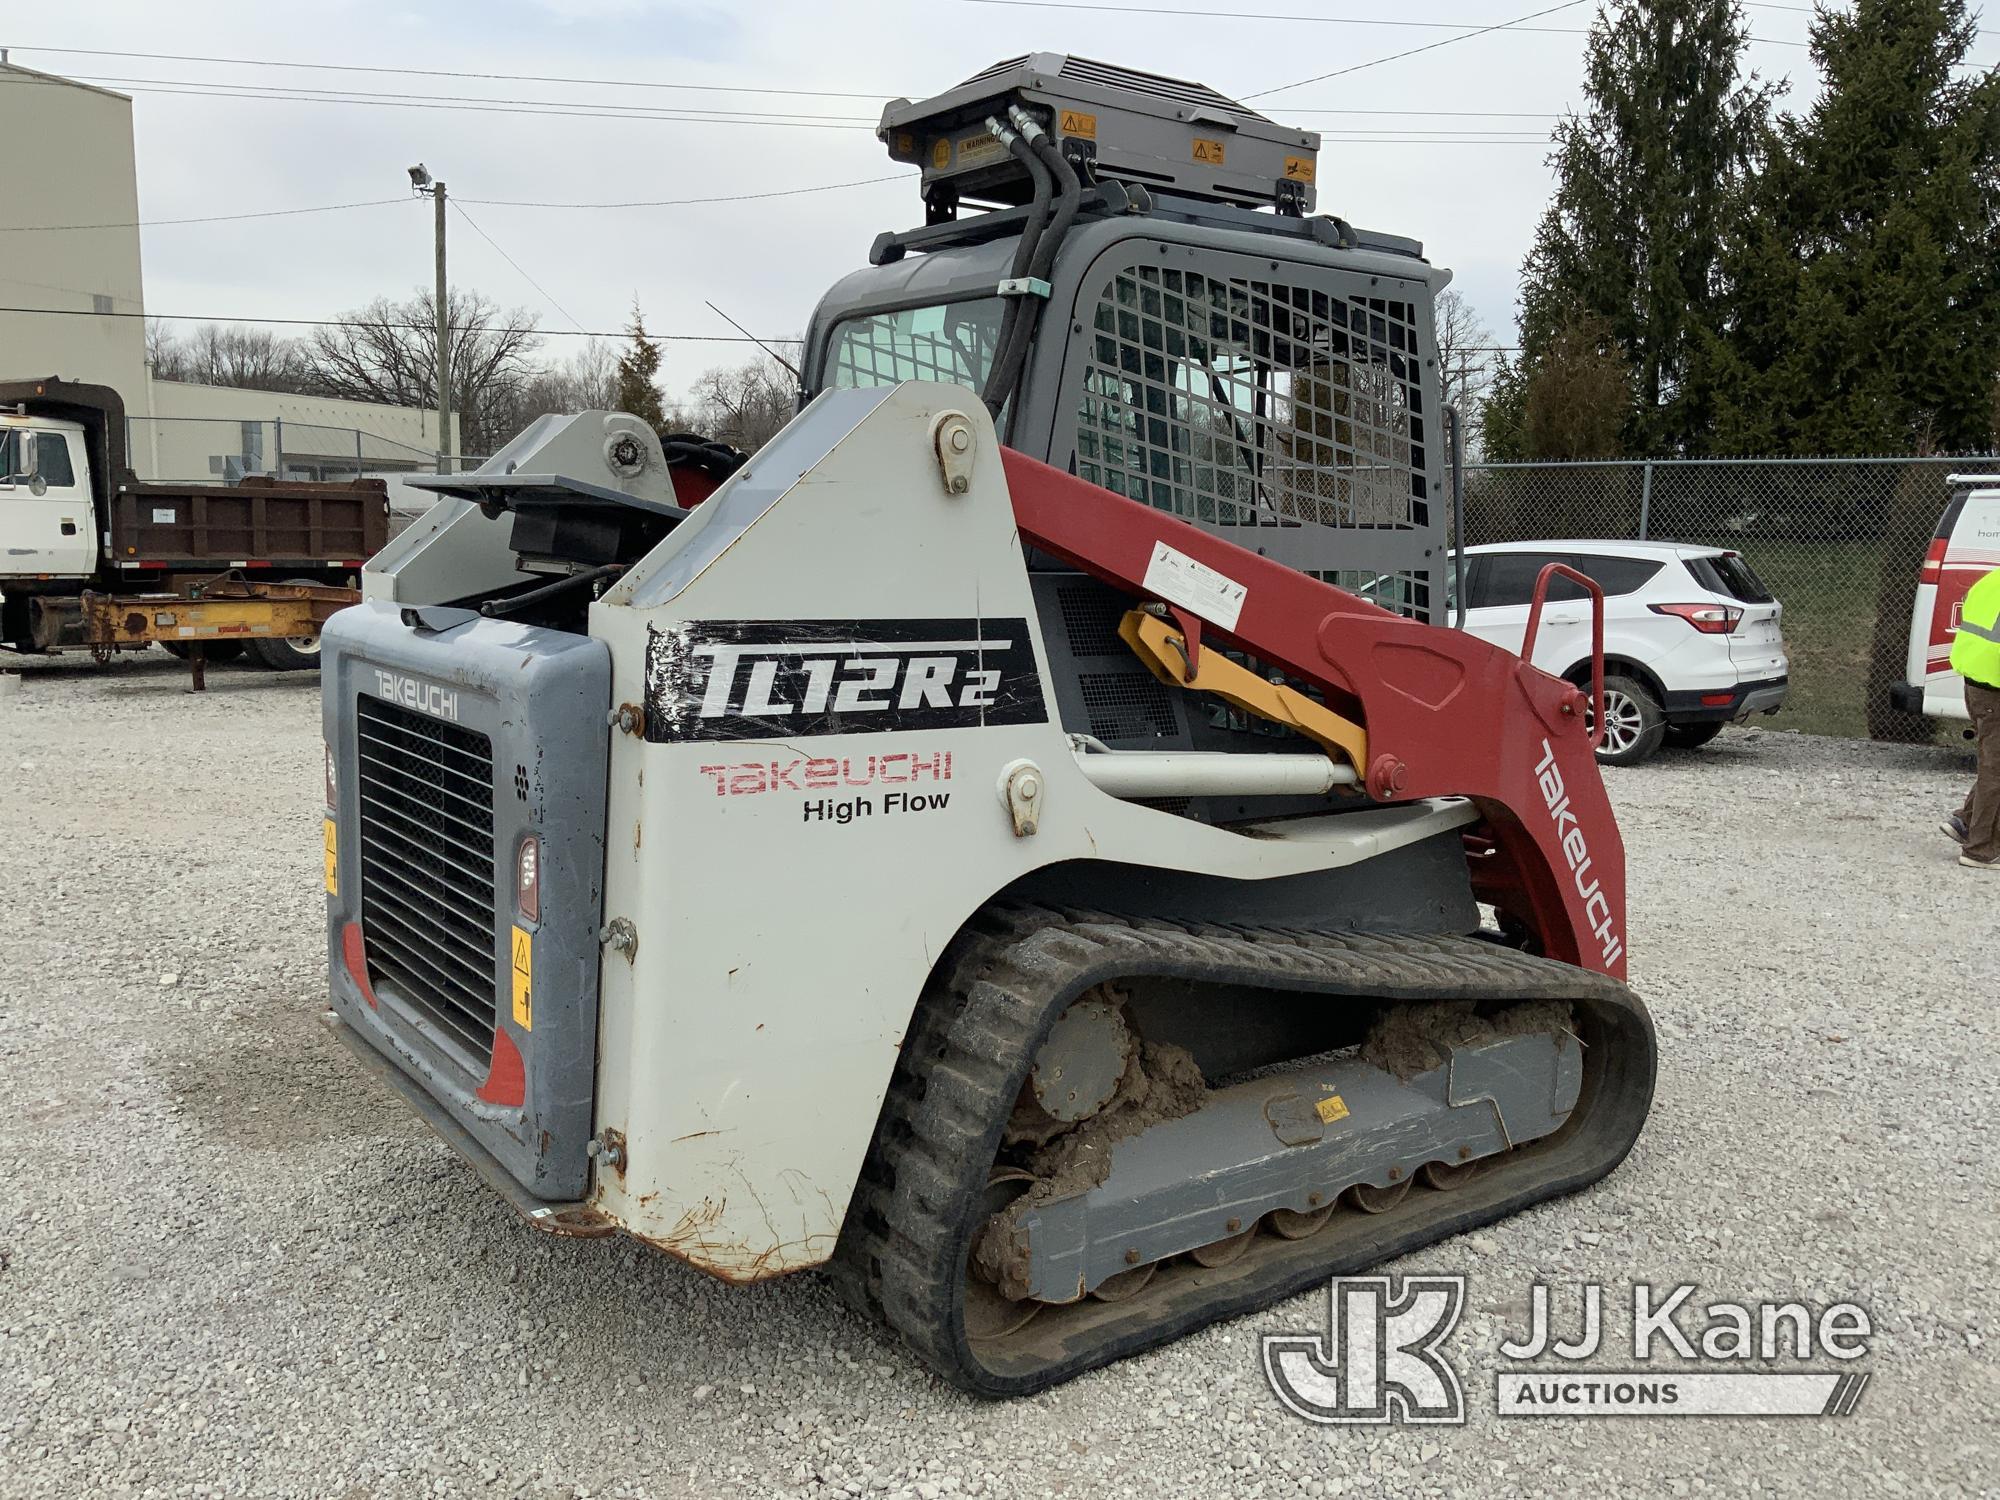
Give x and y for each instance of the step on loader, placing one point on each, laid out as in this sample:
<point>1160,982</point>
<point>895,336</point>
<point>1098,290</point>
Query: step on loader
<point>1028,839</point>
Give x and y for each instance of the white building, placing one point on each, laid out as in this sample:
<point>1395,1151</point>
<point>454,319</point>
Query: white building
<point>72,303</point>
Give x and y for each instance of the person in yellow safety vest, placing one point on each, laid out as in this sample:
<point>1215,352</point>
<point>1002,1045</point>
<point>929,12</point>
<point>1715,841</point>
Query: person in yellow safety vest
<point>1975,656</point>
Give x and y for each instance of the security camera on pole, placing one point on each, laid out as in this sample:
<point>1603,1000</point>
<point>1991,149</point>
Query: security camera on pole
<point>423,185</point>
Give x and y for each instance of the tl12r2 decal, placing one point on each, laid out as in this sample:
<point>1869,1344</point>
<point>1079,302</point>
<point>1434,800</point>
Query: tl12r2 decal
<point>781,679</point>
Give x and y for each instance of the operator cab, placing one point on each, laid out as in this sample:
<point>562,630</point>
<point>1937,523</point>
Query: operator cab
<point>1129,270</point>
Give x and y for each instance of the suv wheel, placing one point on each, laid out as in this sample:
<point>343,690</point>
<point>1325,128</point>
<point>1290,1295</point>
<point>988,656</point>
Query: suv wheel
<point>1692,736</point>
<point>1633,724</point>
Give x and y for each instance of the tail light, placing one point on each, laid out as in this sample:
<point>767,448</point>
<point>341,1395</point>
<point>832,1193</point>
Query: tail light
<point>1709,619</point>
<point>528,879</point>
<point>1933,567</point>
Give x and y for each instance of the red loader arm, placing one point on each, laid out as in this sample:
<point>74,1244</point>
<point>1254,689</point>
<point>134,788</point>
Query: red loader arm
<point>1446,714</point>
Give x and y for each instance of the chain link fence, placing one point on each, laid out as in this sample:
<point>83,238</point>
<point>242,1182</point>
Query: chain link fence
<point>1839,541</point>
<point>216,450</point>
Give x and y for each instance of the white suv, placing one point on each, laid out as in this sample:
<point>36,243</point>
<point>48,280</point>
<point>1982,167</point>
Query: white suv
<point>1691,638</point>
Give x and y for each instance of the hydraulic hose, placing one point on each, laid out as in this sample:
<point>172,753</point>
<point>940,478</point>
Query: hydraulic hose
<point>1019,332</point>
<point>1069,198</point>
<point>1024,253</point>
<point>502,609</point>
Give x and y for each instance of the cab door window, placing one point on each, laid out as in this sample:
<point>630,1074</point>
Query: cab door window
<point>48,459</point>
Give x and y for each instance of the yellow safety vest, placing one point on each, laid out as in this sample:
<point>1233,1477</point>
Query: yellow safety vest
<point>1975,650</point>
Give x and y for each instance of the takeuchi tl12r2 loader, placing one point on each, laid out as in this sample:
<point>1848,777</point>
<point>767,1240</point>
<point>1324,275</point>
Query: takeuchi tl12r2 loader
<point>976,845</point>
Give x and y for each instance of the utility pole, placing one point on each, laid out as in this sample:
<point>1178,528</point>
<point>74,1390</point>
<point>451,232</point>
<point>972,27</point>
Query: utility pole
<point>445,444</point>
<point>424,185</point>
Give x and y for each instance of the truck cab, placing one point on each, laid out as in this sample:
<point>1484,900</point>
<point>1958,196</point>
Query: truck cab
<point>46,518</point>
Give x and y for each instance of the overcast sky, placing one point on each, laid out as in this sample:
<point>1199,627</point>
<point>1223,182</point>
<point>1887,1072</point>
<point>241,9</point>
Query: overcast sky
<point>1469,186</point>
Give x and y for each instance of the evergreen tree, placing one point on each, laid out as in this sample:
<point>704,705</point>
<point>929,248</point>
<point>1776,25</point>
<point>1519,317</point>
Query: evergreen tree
<point>1644,177</point>
<point>1864,265</point>
<point>638,371</point>
<point>1499,415</point>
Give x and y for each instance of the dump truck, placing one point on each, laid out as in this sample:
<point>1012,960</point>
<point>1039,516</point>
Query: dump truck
<point>979,848</point>
<point>92,558</point>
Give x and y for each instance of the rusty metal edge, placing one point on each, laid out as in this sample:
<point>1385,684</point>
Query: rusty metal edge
<point>574,1220</point>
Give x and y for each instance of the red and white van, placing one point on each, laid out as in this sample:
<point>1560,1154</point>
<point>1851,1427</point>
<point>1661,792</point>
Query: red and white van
<point>1965,549</point>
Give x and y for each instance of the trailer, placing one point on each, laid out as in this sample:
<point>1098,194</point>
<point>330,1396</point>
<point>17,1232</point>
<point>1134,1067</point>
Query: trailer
<point>94,559</point>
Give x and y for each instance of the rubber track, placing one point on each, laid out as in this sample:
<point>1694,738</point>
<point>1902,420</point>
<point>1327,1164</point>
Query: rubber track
<point>991,1003</point>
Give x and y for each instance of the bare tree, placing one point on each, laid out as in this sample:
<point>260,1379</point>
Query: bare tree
<point>1464,346</point>
<point>387,353</point>
<point>586,381</point>
<point>253,359</point>
<point>744,406</point>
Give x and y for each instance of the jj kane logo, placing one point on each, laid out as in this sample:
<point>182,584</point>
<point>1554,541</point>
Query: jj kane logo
<point>1379,1359</point>
<point>781,679</point>
<point>1382,1357</point>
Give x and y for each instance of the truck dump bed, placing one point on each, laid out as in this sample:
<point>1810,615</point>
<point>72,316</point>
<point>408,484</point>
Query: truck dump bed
<point>258,523</point>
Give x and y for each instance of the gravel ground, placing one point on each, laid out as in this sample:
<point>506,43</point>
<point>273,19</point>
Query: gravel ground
<point>229,1265</point>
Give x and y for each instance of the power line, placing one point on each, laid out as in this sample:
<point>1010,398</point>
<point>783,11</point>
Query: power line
<point>270,213</point>
<point>1376,62</point>
<point>1442,114</point>
<point>558,333</point>
<point>291,90</point>
<point>619,83</point>
<point>1258,15</point>
<point>514,263</point>
<point>327,208</point>
<point>1211,13</point>
<point>825,187</point>
<point>236,91</point>
<point>1809,10</point>
<point>417,102</point>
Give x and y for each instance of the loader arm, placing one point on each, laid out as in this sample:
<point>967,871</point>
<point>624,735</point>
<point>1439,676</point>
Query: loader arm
<point>1549,851</point>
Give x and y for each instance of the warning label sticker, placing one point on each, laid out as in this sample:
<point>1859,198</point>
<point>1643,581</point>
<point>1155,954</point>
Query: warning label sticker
<point>1299,169</point>
<point>1075,122</point>
<point>1179,579</point>
<point>1331,1108</point>
<point>524,965</point>
<point>1207,151</point>
<point>976,149</point>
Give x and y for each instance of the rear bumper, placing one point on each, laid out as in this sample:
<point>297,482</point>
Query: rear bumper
<point>1763,696</point>
<point>577,1219</point>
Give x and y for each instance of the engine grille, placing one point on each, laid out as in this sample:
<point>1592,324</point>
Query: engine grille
<point>427,870</point>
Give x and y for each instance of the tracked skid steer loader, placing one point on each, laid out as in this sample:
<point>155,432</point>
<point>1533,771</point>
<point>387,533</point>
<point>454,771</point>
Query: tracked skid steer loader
<point>1028,839</point>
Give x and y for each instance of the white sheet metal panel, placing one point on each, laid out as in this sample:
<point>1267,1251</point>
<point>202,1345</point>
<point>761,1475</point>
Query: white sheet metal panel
<point>791,887</point>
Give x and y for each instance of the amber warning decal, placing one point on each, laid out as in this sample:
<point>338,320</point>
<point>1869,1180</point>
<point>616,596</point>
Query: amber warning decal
<point>1209,152</point>
<point>781,679</point>
<point>1299,169</point>
<point>523,947</point>
<point>940,154</point>
<point>1076,122</point>
<point>1331,1108</point>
